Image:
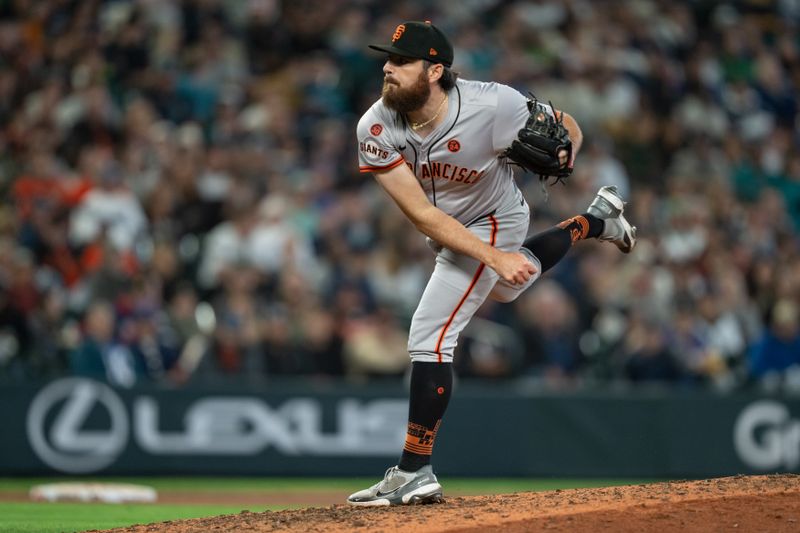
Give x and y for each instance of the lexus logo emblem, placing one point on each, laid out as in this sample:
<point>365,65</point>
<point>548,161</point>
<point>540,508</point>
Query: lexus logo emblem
<point>77,425</point>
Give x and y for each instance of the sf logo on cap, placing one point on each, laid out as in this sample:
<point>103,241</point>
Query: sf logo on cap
<point>398,32</point>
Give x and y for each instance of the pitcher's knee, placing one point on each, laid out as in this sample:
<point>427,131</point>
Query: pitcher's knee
<point>504,293</point>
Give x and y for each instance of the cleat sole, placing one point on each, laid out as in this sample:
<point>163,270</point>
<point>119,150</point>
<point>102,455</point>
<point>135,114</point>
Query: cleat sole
<point>426,500</point>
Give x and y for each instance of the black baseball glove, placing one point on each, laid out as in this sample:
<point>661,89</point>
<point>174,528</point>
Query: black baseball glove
<point>539,142</point>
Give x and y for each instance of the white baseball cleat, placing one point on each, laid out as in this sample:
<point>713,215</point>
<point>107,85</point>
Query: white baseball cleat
<point>609,206</point>
<point>401,488</point>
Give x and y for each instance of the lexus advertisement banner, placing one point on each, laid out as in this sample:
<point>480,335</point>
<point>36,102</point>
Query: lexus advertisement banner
<point>78,426</point>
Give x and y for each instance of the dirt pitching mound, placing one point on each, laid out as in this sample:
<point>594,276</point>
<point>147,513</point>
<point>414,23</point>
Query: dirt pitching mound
<point>741,503</point>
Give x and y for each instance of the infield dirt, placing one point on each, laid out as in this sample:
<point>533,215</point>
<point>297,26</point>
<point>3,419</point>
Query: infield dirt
<point>741,503</point>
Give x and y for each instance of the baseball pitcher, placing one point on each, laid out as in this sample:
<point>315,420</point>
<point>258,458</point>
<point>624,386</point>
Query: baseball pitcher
<point>443,148</point>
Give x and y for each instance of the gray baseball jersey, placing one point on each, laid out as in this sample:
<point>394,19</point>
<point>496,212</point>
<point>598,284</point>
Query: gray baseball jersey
<point>461,169</point>
<point>459,164</point>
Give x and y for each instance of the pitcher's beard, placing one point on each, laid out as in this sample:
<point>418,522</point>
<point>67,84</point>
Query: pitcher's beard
<point>406,100</point>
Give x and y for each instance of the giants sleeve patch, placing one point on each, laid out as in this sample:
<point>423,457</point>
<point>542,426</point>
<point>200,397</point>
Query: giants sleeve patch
<point>372,152</point>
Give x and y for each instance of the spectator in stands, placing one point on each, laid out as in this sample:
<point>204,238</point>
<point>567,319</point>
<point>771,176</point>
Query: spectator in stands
<point>647,356</point>
<point>549,327</point>
<point>99,355</point>
<point>228,247</point>
<point>109,209</point>
<point>239,336</point>
<point>778,350</point>
<point>188,325</point>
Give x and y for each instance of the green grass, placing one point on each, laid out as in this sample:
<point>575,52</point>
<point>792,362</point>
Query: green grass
<point>28,517</point>
<point>57,517</point>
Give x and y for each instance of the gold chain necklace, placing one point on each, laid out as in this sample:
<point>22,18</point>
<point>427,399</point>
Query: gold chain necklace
<point>418,125</point>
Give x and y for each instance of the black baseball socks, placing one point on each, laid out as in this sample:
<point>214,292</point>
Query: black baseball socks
<point>431,385</point>
<point>553,244</point>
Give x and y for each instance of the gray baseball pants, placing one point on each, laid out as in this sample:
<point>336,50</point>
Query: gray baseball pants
<point>460,284</point>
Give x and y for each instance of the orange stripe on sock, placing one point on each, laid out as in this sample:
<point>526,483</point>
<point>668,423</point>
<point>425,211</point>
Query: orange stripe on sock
<point>576,234</point>
<point>419,450</point>
<point>420,439</point>
<point>584,225</point>
<point>472,284</point>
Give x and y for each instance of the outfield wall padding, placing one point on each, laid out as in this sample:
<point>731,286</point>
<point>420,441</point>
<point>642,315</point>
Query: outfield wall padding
<point>79,427</point>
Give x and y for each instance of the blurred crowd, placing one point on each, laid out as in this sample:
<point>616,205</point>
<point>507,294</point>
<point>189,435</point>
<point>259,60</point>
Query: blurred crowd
<point>184,203</point>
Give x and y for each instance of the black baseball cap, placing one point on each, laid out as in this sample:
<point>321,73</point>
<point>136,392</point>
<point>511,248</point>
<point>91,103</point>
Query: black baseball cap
<point>419,40</point>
